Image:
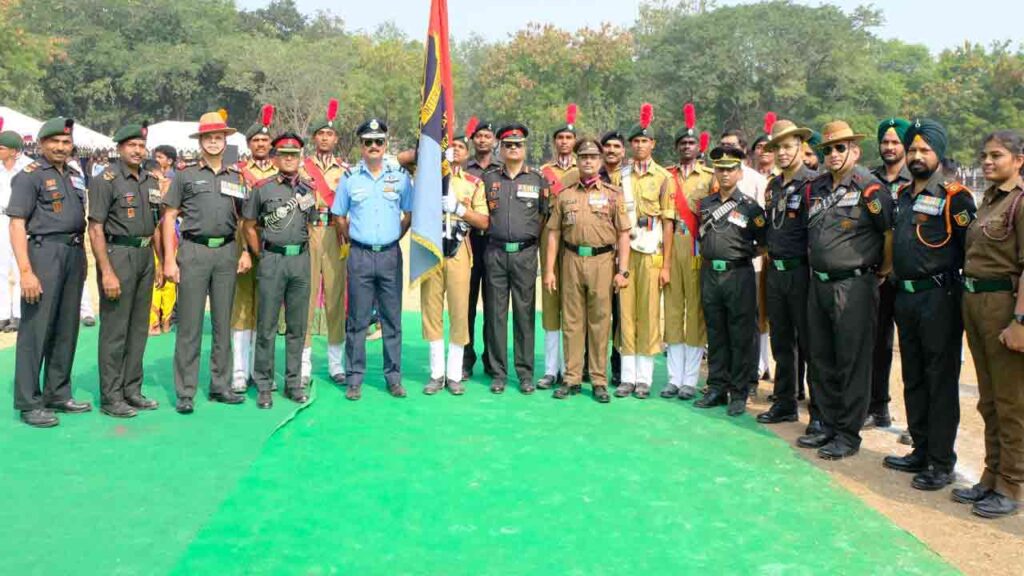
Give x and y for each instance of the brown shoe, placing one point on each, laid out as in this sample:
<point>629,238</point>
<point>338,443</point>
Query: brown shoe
<point>642,391</point>
<point>624,389</point>
<point>354,392</point>
<point>601,394</point>
<point>456,387</point>
<point>396,390</point>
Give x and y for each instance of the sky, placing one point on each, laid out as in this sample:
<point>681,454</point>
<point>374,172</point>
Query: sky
<point>938,24</point>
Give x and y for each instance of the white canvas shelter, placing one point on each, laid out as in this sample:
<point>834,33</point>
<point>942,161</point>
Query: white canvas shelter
<point>179,134</point>
<point>28,127</point>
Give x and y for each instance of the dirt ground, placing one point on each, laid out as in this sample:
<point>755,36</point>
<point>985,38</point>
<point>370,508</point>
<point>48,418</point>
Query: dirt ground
<point>973,545</point>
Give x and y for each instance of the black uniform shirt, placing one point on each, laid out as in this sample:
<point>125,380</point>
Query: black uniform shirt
<point>902,179</point>
<point>924,243</point>
<point>124,203</point>
<point>209,202</point>
<point>282,207</point>
<point>786,208</point>
<point>736,232</point>
<point>48,201</point>
<point>846,227</point>
<point>516,204</point>
<point>474,167</point>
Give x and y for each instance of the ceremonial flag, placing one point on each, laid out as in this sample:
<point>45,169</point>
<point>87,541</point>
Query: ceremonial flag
<point>433,167</point>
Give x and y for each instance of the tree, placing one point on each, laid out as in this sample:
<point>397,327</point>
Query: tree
<point>23,59</point>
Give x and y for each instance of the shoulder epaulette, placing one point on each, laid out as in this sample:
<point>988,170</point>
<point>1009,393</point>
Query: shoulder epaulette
<point>471,178</point>
<point>870,189</point>
<point>109,175</point>
<point>30,168</point>
<point>954,187</point>
<point>265,181</point>
<point>612,187</point>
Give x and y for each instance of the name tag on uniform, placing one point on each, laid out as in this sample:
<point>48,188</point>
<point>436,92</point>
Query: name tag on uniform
<point>737,218</point>
<point>929,205</point>
<point>528,192</point>
<point>306,201</point>
<point>794,202</point>
<point>598,200</point>
<point>232,189</point>
<point>78,182</point>
<point>849,199</point>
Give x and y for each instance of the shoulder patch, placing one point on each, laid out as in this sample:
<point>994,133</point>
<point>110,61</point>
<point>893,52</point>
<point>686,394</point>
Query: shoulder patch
<point>30,168</point>
<point>109,175</point>
<point>471,178</point>
<point>759,221</point>
<point>874,206</point>
<point>871,189</point>
<point>265,181</point>
<point>962,219</point>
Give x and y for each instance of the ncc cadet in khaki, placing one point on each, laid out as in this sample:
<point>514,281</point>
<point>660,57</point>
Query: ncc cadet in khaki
<point>483,159</point>
<point>849,230</point>
<point>282,207</point>
<point>732,233</point>
<point>243,311</point>
<point>47,212</point>
<point>208,196</point>
<point>564,140</point>
<point>685,332</point>
<point>516,195</point>
<point>124,210</point>
<point>328,254</point>
<point>788,276</point>
<point>588,225</point>
<point>465,209</point>
<point>994,318</point>
<point>649,205</point>
<point>928,253</point>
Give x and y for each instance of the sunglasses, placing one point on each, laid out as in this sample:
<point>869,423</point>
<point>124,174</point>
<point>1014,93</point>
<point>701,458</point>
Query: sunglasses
<point>512,145</point>
<point>841,148</point>
<point>373,142</point>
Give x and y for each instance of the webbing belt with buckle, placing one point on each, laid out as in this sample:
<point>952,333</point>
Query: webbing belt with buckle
<point>209,241</point>
<point>285,249</point>
<point>375,247</point>
<point>842,275</point>
<point>69,239</point>
<point>132,241</point>
<point>980,285</point>
<point>914,286</point>
<point>588,250</point>
<point>784,264</point>
<point>513,247</point>
<point>724,265</point>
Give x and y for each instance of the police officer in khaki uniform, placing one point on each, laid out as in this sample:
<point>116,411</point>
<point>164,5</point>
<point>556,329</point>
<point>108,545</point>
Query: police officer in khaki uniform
<point>588,225</point>
<point>928,253</point>
<point>47,212</point>
<point>124,210</point>
<point>243,309</point>
<point>732,233</point>
<point>282,207</point>
<point>994,318</point>
<point>685,332</point>
<point>849,226</point>
<point>327,252</point>
<point>788,275</point>
<point>208,196</point>
<point>651,210</point>
<point>564,162</point>
<point>516,195</point>
<point>465,209</point>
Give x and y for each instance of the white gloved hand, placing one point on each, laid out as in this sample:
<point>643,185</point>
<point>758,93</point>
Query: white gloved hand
<point>449,203</point>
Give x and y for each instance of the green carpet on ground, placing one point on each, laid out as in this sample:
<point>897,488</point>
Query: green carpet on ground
<point>428,485</point>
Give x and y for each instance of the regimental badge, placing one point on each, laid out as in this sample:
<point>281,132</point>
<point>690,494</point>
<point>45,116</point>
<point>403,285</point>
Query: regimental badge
<point>374,125</point>
<point>962,219</point>
<point>846,224</point>
<point>875,207</point>
<point>759,221</point>
<point>131,213</point>
<point>50,183</point>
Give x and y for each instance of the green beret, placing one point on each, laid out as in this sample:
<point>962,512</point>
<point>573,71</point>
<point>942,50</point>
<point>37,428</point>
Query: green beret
<point>11,139</point>
<point>898,124</point>
<point>58,126</point>
<point>130,132</point>
<point>931,132</point>
<point>323,124</point>
<point>637,131</point>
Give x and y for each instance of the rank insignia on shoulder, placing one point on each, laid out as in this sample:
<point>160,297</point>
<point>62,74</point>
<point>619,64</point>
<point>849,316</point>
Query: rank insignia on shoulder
<point>874,206</point>
<point>962,219</point>
<point>870,190</point>
<point>759,221</point>
<point>108,175</point>
<point>30,168</point>
<point>954,187</point>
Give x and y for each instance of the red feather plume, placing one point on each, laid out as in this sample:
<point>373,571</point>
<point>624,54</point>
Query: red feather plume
<point>705,141</point>
<point>570,114</point>
<point>769,122</point>
<point>646,115</point>
<point>471,126</point>
<point>332,109</point>
<point>690,115</point>
<point>1,122</point>
<point>267,114</point>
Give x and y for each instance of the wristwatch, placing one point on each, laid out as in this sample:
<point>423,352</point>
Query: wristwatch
<point>1018,318</point>
<point>624,274</point>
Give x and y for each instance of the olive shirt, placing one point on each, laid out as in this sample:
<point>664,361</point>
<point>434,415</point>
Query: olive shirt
<point>283,208</point>
<point>466,186</point>
<point>209,202</point>
<point>847,226</point>
<point>651,191</point>
<point>733,229</point>
<point>994,251</point>
<point>50,202</point>
<point>589,215</point>
<point>924,242</point>
<point>786,209</point>
<point>126,204</point>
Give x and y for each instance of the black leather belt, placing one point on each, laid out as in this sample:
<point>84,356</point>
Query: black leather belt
<point>68,239</point>
<point>209,241</point>
<point>842,275</point>
<point>723,265</point>
<point>285,249</point>
<point>588,250</point>
<point>784,264</point>
<point>132,241</point>
<point>980,285</point>
<point>513,247</point>
<point>375,247</point>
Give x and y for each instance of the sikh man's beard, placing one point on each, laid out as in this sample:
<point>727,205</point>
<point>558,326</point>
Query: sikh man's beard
<point>892,160</point>
<point>920,169</point>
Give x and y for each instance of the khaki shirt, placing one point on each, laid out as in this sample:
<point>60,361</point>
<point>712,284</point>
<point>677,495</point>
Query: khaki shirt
<point>467,186</point>
<point>993,250</point>
<point>332,170</point>
<point>695,186</point>
<point>589,216</point>
<point>652,193</point>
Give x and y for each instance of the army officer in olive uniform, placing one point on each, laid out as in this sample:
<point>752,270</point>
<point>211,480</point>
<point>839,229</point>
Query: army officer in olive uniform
<point>282,207</point>
<point>124,208</point>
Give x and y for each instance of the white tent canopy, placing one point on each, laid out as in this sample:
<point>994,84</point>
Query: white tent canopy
<point>179,134</point>
<point>28,126</point>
